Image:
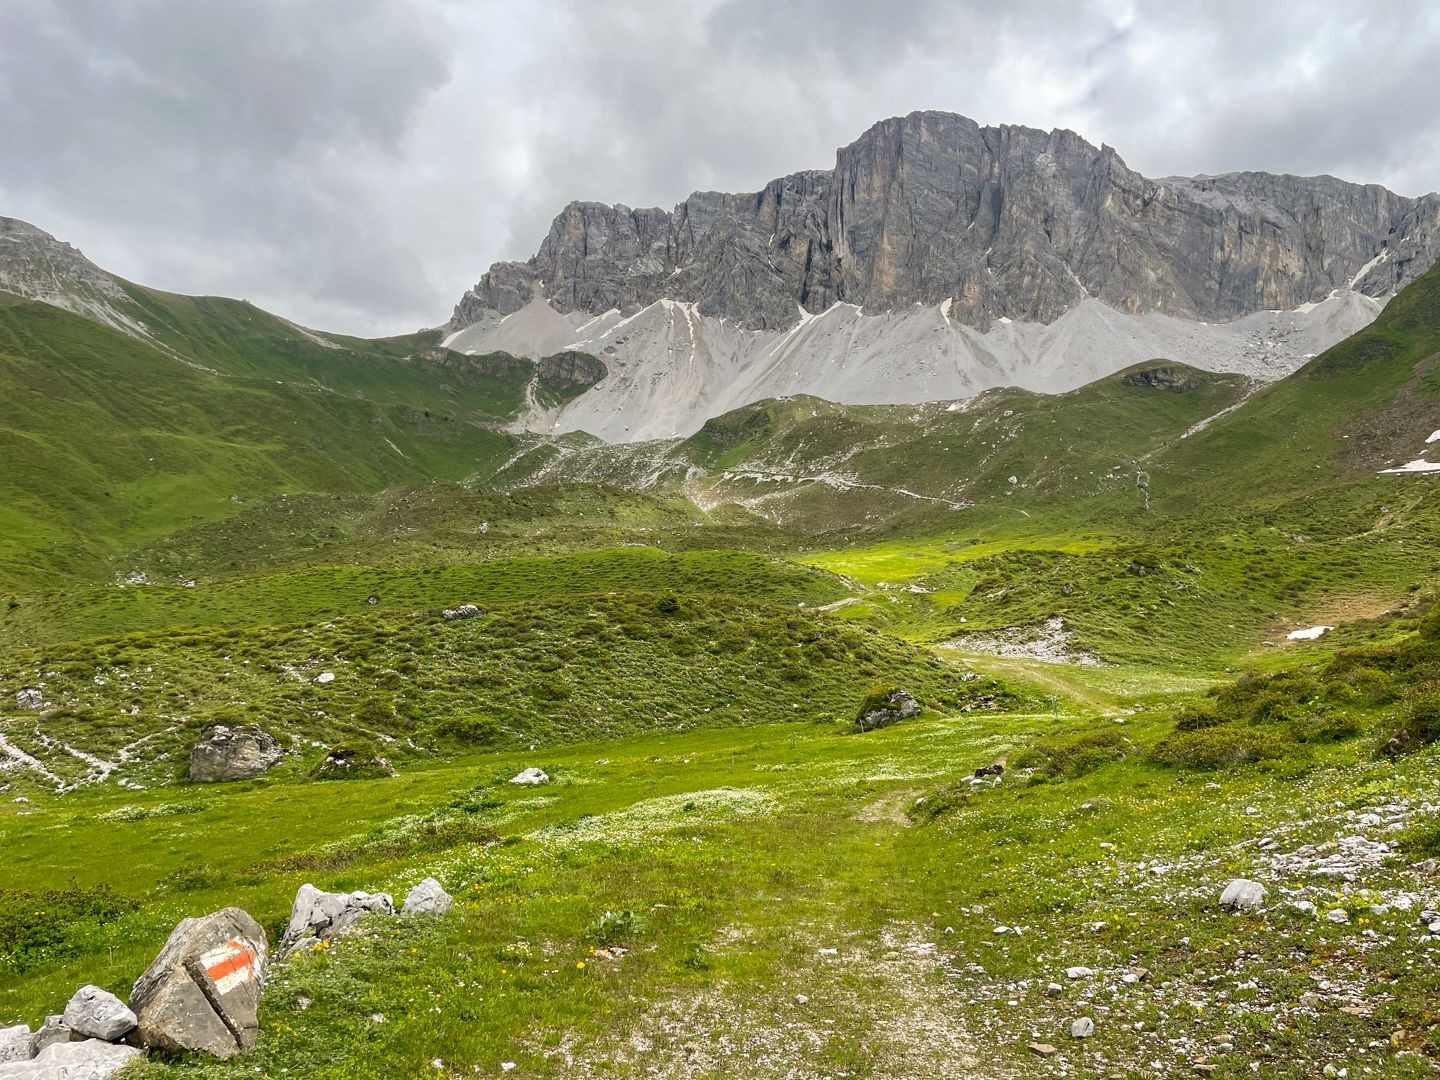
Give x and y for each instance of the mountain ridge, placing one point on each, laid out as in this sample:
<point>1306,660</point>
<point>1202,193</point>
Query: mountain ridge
<point>837,234</point>
<point>938,259</point>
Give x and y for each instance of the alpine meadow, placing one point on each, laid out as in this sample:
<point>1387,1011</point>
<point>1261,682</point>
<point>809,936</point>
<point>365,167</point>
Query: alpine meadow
<point>972,611</point>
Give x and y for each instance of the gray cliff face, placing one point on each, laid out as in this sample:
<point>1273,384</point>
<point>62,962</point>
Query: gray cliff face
<point>999,221</point>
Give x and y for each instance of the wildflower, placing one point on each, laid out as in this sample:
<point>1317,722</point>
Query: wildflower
<point>580,963</point>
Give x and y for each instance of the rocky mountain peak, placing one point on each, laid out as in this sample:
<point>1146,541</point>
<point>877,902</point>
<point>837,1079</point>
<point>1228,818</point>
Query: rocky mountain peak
<point>1006,221</point>
<point>37,266</point>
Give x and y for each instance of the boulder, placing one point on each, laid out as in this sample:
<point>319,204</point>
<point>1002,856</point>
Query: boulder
<point>232,753</point>
<point>530,776</point>
<point>889,709</point>
<point>427,898</point>
<point>202,993</point>
<point>90,1059</point>
<point>30,699</point>
<point>318,914</point>
<point>1082,1028</point>
<point>98,1014</point>
<point>15,1043</point>
<point>464,611</point>
<point>52,1031</point>
<point>1243,895</point>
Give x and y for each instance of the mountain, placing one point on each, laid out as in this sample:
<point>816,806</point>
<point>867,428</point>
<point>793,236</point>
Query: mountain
<point>937,259</point>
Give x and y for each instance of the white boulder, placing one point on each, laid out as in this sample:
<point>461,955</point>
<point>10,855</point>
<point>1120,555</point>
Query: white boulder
<point>530,776</point>
<point>1243,895</point>
<point>427,898</point>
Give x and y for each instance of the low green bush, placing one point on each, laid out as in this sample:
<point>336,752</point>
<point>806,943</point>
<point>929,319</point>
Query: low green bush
<point>1074,757</point>
<point>1217,747</point>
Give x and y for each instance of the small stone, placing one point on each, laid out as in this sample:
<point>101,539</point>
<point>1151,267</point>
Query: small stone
<point>1054,988</point>
<point>1043,1049</point>
<point>1082,1028</point>
<point>802,999</point>
<point>427,898</point>
<point>98,1014</point>
<point>1078,972</point>
<point>530,776</point>
<point>1338,915</point>
<point>30,700</point>
<point>1241,894</point>
<point>325,677</point>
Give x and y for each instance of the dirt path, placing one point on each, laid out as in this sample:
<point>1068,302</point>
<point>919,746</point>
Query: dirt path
<point>1060,679</point>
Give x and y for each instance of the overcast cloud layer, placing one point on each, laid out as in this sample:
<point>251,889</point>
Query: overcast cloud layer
<point>356,164</point>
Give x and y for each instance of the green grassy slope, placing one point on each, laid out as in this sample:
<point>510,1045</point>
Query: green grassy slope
<point>108,442</point>
<point>236,338</point>
<point>815,466</point>
<point>1366,404</point>
<point>321,592</point>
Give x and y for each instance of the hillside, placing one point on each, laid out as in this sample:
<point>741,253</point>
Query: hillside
<point>815,466</point>
<point>110,442</point>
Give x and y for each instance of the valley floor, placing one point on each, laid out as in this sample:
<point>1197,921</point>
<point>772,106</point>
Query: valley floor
<point>794,902</point>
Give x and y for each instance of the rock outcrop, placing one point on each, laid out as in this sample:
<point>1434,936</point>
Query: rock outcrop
<point>882,710</point>
<point>35,265</point>
<point>202,992</point>
<point>30,699</point>
<point>936,260</point>
<point>321,915</point>
<point>233,753</point>
<point>1005,221</point>
<point>89,1059</point>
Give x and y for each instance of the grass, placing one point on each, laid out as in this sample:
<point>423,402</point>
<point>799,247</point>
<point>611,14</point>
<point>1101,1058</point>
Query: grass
<point>315,593</point>
<point>699,834</point>
<point>723,876</point>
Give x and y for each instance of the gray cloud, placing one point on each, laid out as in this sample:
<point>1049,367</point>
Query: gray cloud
<point>355,164</point>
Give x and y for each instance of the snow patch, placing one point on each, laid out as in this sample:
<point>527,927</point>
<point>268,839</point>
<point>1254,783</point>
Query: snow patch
<point>1376,261</point>
<point>1419,465</point>
<point>1309,634</point>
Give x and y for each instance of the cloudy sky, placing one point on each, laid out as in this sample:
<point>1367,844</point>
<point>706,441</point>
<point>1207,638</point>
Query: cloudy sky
<point>356,164</point>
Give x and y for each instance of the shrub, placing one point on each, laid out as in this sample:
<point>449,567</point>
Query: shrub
<point>1217,747</point>
<point>351,762</point>
<point>1074,757</point>
<point>40,928</point>
<point>1420,723</point>
<point>1196,717</point>
<point>1324,725</point>
<point>939,803</point>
